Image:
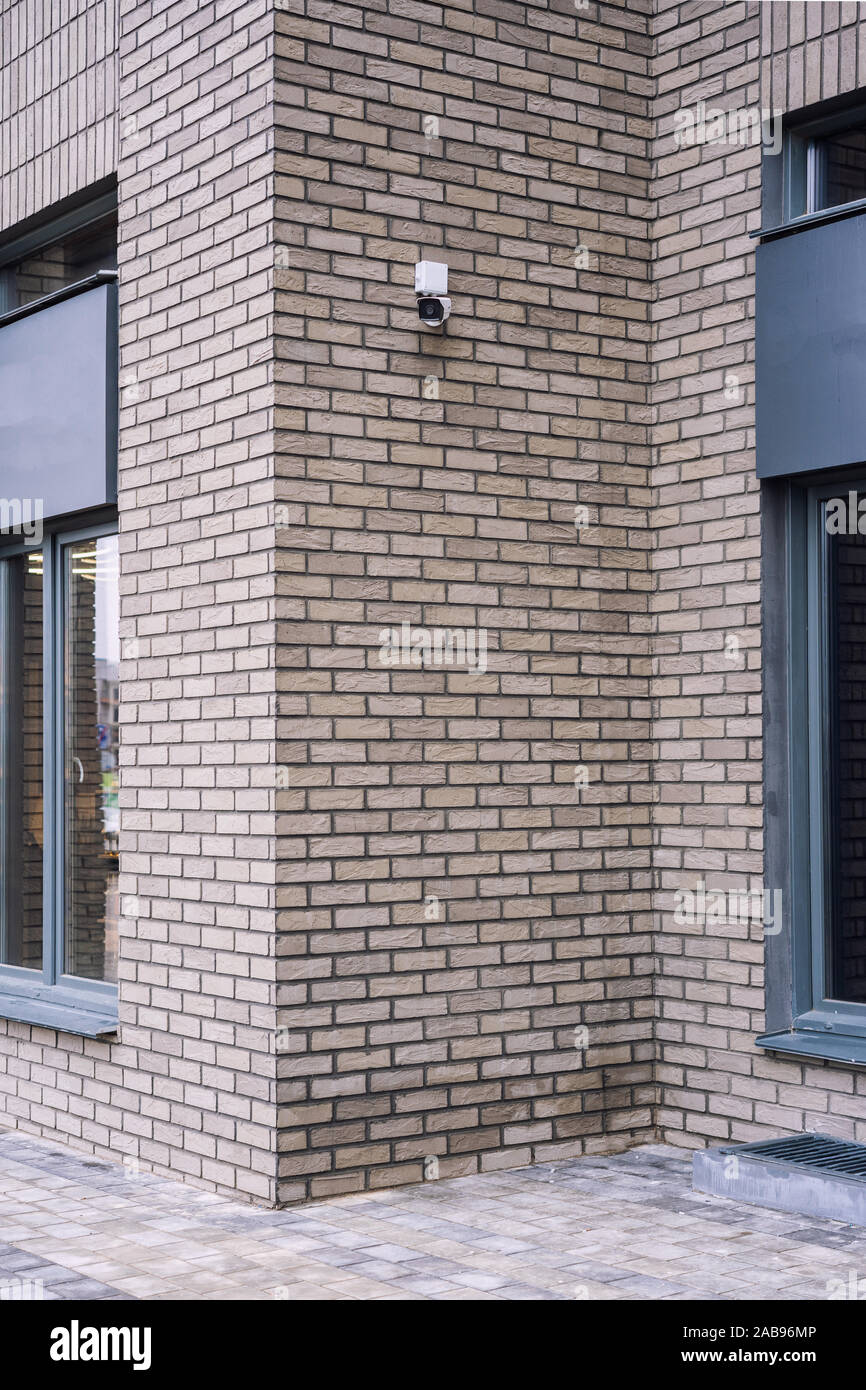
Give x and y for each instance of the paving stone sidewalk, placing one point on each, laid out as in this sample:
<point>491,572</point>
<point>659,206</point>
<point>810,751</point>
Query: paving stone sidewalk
<point>624,1227</point>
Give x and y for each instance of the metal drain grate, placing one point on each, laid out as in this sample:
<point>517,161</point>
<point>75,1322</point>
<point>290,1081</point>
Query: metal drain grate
<point>811,1174</point>
<point>838,1156</point>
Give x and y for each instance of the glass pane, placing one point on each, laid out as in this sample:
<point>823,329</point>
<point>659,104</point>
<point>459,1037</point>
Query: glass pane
<point>797,177</point>
<point>80,254</point>
<point>845,167</point>
<point>846,764</point>
<point>21,697</point>
<point>90,725</point>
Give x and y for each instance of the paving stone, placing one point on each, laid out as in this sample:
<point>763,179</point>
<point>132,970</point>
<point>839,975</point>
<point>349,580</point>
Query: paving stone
<point>599,1230</point>
<point>645,1286</point>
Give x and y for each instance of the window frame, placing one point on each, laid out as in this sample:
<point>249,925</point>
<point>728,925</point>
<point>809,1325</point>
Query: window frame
<point>822,1011</point>
<point>68,218</point>
<point>52,984</point>
<point>805,164</point>
<point>803,1018</point>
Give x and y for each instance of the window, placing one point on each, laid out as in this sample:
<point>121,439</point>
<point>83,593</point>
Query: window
<point>72,245</point>
<point>826,165</point>
<point>59,619</point>
<point>59,660</point>
<point>841,713</point>
<point>815,750</point>
<point>21,683</point>
<point>74,257</point>
<point>835,711</point>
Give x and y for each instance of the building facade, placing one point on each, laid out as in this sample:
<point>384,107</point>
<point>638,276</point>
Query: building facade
<point>382,706</point>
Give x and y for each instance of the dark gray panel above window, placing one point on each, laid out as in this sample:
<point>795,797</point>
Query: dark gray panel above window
<point>58,399</point>
<point>810,349</point>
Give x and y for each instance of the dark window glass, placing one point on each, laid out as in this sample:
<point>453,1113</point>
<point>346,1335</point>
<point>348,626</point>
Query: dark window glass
<point>22,761</point>
<point>74,258</point>
<point>91,810</point>
<point>845,735</point>
<point>844,167</point>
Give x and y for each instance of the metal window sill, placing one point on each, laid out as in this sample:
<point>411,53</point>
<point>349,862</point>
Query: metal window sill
<point>839,1047</point>
<point>65,1018</point>
<point>23,311</point>
<point>810,219</point>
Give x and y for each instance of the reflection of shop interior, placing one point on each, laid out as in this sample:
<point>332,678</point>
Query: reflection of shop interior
<point>86,864</point>
<point>92,824</point>
<point>107,729</point>
<point>107,739</point>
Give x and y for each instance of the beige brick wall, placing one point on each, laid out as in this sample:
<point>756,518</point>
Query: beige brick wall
<point>58,101</point>
<point>706,558</point>
<point>190,1086</point>
<point>810,52</point>
<point>716,1085</point>
<point>196,526</point>
<point>498,138</point>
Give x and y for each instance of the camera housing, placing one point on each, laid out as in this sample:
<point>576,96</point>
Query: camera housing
<point>433,310</point>
<point>431,292</point>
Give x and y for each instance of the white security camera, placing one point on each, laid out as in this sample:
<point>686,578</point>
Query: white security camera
<point>431,292</point>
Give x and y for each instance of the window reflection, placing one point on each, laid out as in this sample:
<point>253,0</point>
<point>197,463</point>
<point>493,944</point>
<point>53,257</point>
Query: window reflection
<point>91,764</point>
<point>78,255</point>
<point>21,697</point>
<point>845,156</point>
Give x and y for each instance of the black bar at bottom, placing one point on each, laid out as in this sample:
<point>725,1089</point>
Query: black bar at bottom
<point>270,1338</point>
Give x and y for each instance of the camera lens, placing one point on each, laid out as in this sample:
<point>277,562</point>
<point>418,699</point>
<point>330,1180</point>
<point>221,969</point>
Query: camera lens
<point>430,310</point>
